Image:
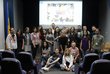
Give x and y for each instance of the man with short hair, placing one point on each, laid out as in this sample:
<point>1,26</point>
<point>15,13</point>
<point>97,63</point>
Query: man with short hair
<point>97,42</point>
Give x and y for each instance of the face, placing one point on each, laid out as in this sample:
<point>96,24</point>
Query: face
<point>44,31</point>
<point>84,28</point>
<point>19,32</point>
<point>73,44</point>
<point>57,51</point>
<point>53,25</point>
<point>62,34</point>
<point>72,29</point>
<point>27,30</point>
<point>35,29</point>
<point>45,44</point>
<point>67,51</point>
<point>40,27</point>
<point>93,28</point>
<point>79,27</point>
<point>50,30</point>
<point>97,31</point>
<point>12,31</point>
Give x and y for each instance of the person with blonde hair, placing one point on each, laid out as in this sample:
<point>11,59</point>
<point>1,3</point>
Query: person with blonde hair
<point>67,61</point>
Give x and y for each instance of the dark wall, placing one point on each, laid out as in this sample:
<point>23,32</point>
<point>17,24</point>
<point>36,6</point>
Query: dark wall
<point>90,13</point>
<point>30,13</point>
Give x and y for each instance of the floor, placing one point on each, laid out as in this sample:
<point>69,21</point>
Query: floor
<point>59,72</point>
<point>56,71</point>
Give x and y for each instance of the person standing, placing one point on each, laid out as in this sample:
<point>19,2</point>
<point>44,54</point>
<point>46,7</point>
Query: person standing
<point>63,41</point>
<point>20,40</point>
<point>97,42</point>
<point>72,35</point>
<point>11,41</point>
<point>85,43</point>
<point>35,42</point>
<point>50,39</point>
<point>27,40</point>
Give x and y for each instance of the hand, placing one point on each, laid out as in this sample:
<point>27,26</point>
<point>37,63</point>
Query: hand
<point>34,46</point>
<point>74,61</point>
<point>22,48</point>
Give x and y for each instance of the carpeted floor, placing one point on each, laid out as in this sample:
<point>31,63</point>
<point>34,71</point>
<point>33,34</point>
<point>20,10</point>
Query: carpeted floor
<point>59,72</point>
<point>56,71</point>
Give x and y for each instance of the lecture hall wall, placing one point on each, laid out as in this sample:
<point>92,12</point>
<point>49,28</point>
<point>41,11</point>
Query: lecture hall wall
<point>2,37</point>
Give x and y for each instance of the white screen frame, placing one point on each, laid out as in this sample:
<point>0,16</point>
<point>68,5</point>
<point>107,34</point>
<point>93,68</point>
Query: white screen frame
<point>78,11</point>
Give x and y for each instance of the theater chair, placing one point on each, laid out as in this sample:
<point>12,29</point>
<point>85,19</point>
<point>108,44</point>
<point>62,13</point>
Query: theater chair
<point>8,54</point>
<point>84,67</point>
<point>27,62</point>
<point>11,66</point>
<point>106,55</point>
<point>101,66</point>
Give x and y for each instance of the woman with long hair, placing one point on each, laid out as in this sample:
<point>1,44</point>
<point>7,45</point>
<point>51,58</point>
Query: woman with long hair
<point>67,61</point>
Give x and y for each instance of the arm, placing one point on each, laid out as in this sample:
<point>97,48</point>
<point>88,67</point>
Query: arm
<point>61,48</point>
<point>23,44</point>
<point>32,40</point>
<point>92,43</point>
<point>8,42</point>
<point>49,41</point>
<point>77,55</point>
<point>48,61</point>
<point>81,45</point>
<point>102,45</point>
<point>16,41</point>
<point>55,61</point>
<point>89,45</point>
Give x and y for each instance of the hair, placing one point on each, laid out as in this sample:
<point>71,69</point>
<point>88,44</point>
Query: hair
<point>44,46</point>
<point>35,28</point>
<point>49,32</point>
<point>11,28</point>
<point>26,28</point>
<point>20,31</point>
<point>65,52</point>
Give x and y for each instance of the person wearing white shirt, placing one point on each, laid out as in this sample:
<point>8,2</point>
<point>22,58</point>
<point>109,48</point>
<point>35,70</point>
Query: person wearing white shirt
<point>67,61</point>
<point>11,41</point>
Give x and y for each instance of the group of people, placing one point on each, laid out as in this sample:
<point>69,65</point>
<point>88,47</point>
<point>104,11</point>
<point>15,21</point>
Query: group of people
<point>59,47</point>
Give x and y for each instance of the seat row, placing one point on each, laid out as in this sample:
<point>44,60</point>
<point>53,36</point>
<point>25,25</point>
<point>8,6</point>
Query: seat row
<point>92,64</point>
<point>21,64</point>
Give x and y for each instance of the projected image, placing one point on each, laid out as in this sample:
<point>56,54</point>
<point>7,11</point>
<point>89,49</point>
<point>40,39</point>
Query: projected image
<point>61,12</point>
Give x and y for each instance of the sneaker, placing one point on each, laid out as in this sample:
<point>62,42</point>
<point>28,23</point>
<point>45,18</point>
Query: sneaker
<point>72,70</point>
<point>46,69</point>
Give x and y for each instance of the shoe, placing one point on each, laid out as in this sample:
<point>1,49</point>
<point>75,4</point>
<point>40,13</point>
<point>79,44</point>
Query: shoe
<point>72,70</point>
<point>46,69</point>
